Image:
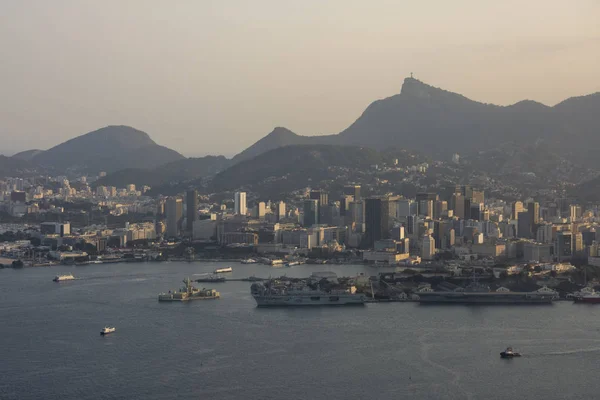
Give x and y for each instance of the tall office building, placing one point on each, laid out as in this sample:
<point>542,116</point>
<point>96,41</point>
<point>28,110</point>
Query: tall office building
<point>576,212</point>
<point>192,210</point>
<point>353,190</point>
<point>412,225</point>
<point>524,228</point>
<point>544,233</point>
<point>174,211</point>
<point>578,244</point>
<point>477,211</point>
<point>240,203</point>
<point>533,208</point>
<point>478,196</point>
<point>261,210</point>
<point>423,206</point>
<point>377,220</point>
<point>280,210</point>
<point>457,205</point>
<point>563,247</point>
<point>356,213</point>
<point>311,212</point>
<point>441,207</point>
<point>517,207</point>
<point>321,196</point>
<point>406,207</point>
<point>426,208</point>
<point>428,249</point>
<point>467,212</point>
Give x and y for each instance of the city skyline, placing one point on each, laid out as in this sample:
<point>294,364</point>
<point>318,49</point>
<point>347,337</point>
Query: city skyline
<point>181,74</point>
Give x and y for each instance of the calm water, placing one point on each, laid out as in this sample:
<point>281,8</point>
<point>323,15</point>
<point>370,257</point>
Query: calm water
<point>50,346</point>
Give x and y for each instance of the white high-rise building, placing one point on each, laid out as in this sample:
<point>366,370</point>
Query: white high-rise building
<point>428,250</point>
<point>240,203</point>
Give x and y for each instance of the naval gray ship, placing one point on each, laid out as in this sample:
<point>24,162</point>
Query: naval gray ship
<point>476,293</point>
<point>279,293</point>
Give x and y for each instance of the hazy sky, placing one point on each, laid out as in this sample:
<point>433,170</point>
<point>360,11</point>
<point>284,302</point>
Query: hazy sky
<point>212,77</point>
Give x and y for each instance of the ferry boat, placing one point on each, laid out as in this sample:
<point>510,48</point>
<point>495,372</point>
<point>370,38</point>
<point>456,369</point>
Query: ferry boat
<point>107,330</point>
<point>509,353</point>
<point>223,270</point>
<point>60,278</point>
<point>274,293</point>
<point>188,292</point>
<point>476,293</point>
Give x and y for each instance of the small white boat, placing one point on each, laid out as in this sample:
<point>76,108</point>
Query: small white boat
<point>60,278</point>
<point>107,330</point>
<point>223,270</point>
<point>249,261</point>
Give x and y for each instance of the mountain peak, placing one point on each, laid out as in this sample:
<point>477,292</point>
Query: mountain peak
<point>281,132</point>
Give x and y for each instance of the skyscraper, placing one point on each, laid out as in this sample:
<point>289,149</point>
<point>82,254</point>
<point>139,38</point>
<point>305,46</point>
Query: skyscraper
<point>426,208</point>
<point>412,225</point>
<point>261,210</point>
<point>517,207</point>
<point>192,210</point>
<point>377,220</point>
<point>356,214</point>
<point>174,211</point>
<point>428,249</point>
<point>280,210</point>
<point>424,197</point>
<point>321,196</point>
<point>533,208</point>
<point>311,212</point>
<point>564,245</point>
<point>240,203</point>
<point>457,204</point>
<point>524,228</point>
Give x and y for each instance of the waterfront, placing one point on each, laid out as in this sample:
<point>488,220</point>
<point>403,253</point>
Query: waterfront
<point>229,349</point>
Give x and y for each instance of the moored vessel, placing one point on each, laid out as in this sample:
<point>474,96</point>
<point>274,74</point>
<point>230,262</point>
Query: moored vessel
<point>107,330</point>
<point>304,293</point>
<point>588,296</point>
<point>476,293</point>
<point>188,292</point>
<point>61,278</point>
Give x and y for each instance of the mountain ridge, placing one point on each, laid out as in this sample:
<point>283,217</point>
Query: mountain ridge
<point>425,118</point>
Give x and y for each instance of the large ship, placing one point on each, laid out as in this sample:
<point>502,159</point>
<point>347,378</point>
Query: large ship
<point>60,278</point>
<point>476,293</point>
<point>188,292</point>
<point>587,295</point>
<point>310,292</point>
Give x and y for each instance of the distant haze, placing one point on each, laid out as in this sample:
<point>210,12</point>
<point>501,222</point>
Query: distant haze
<point>213,77</point>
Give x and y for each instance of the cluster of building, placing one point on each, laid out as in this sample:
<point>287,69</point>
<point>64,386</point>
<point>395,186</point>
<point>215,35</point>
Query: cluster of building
<point>393,229</point>
<point>20,196</point>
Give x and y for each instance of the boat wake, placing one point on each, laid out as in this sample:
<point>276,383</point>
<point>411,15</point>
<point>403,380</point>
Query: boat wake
<point>576,351</point>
